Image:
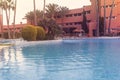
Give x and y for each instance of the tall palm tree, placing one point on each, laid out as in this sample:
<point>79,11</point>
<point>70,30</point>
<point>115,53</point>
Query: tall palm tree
<point>44,9</point>
<point>104,17</point>
<point>1,22</point>
<point>35,21</point>
<point>7,5</point>
<point>15,1</point>
<point>97,16</point>
<point>52,10</point>
<point>109,25</point>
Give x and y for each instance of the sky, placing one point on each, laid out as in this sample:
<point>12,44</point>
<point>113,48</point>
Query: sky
<point>24,6</point>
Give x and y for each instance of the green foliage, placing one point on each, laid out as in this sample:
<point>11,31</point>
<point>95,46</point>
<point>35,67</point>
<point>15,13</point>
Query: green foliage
<point>51,27</point>
<point>29,33</point>
<point>30,16</point>
<point>40,33</point>
<point>52,10</point>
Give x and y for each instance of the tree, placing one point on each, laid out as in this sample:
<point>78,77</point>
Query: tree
<point>14,19</point>
<point>44,9</point>
<point>84,23</point>
<point>97,16</point>
<point>35,21</point>
<point>1,22</point>
<point>104,17</point>
<point>109,25</point>
<point>52,10</point>
<point>51,27</point>
<point>62,12</point>
<point>7,5</point>
<point>30,16</point>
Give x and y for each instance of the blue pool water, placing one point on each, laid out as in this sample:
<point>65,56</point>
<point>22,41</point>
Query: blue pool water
<point>72,60</point>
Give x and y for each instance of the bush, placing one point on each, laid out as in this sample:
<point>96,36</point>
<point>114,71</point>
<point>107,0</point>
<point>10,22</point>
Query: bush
<point>40,33</point>
<point>29,33</point>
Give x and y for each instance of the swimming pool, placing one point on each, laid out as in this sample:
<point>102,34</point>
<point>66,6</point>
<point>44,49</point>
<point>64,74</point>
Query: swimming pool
<point>96,59</point>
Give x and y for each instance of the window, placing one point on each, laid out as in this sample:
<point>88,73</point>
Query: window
<point>77,23</point>
<point>75,14</point>
<point>66,23</point>
<point>58,16</point>
<point>88,12</point>
<point>69,15</point>
<point>88,21</point>
<point>107,17</point>
<point>70,23</point>
<point>79,14</point>
<point>112,5</point>
<point>113,17</point>
<point>107,6</point>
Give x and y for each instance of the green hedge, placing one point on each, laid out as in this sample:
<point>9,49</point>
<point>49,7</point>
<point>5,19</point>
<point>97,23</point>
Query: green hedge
<point>40,33</point>
<point>29,33</point>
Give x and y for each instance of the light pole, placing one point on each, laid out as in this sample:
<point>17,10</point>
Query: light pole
<point>35,21</point>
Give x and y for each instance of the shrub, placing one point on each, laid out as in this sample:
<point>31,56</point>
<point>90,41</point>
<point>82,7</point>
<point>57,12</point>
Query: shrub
<point>40,33</point>
<point>29,33</point>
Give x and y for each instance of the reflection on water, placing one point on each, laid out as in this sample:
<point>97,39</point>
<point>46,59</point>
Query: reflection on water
<point>86,60</point>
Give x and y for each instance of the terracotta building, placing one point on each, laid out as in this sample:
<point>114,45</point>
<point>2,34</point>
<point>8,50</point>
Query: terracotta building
<point>115,17</point>
<point>72,21</point>
<point>74,18</point>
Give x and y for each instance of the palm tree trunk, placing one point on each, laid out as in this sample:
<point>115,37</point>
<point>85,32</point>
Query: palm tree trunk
<point>109,31</point>
<point>97,17</point>
<point>7,18</point>
<point>104,17</point>
<point>44,9</point>
<point>1,22</point>
<point>14,19</point>
<point>35,21</point>
<point>2,35</point>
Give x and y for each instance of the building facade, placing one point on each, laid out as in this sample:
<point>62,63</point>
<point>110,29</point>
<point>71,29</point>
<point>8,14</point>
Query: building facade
<point>115,15</point>
<point>74,18</point>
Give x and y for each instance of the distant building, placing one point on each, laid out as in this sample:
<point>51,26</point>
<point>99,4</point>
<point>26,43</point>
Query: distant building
<point>4,28</point>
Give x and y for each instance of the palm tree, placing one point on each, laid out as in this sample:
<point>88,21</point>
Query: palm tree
<point>62,12</point>
<point>35,22</point>
<point>1,22</point>
<point>109,25</point>
<point>14,18</point>
<point>52,10</point>
<point>30,16</point>
<point>44,9</point>
<point>7,5</point>
<point>104,17</point>
<point>97,17</point>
